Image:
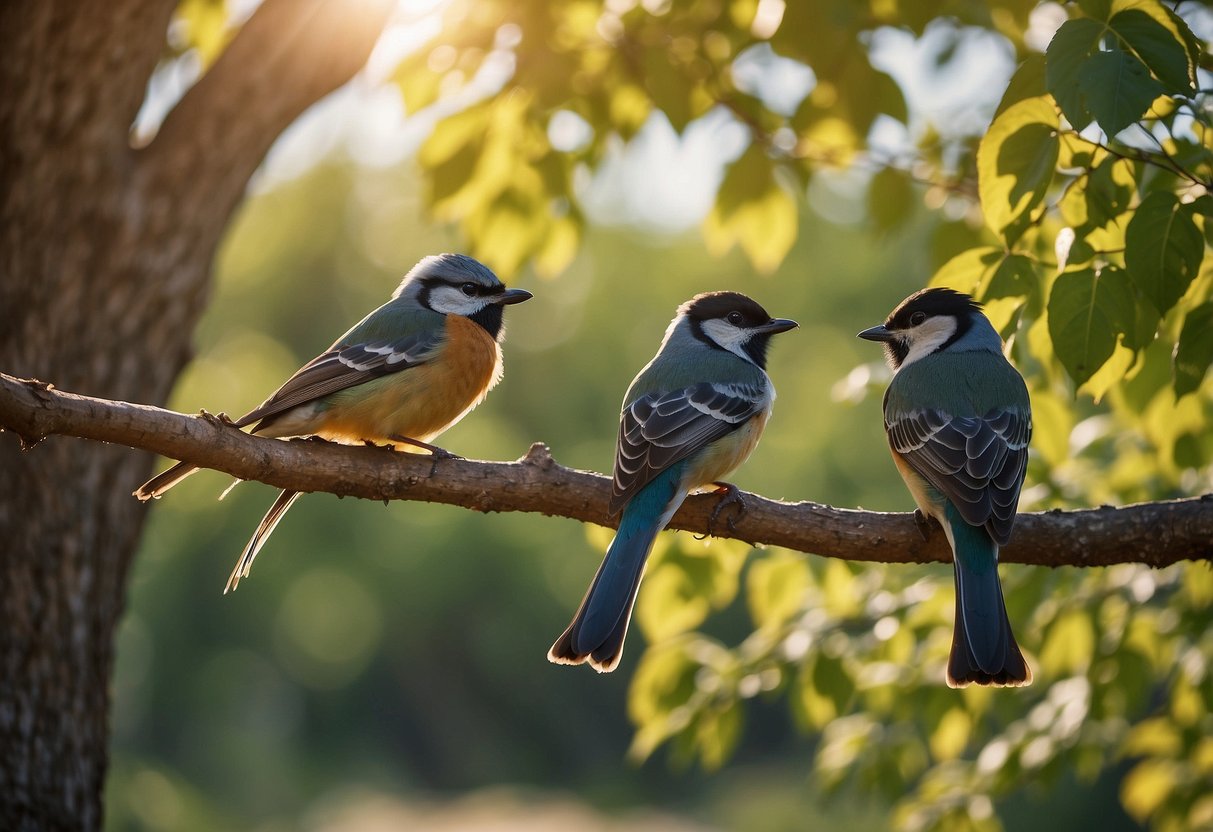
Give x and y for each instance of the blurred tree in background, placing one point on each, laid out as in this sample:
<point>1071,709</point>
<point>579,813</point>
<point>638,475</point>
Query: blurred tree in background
<point>1053,160</point>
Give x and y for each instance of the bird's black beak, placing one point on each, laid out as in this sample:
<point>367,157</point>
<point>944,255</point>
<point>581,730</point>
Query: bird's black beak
<point>775,325</point>
<point>512,296</point>
<point>877,333</point>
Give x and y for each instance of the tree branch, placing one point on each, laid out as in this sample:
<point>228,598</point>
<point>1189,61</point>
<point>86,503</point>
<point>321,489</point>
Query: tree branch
<point>1157,534</point>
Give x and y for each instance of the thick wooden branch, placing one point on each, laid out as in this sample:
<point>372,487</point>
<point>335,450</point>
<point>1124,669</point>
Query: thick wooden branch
<point>1157,534</point>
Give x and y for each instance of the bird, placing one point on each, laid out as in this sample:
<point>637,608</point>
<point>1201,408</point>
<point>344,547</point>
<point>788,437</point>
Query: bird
<point>690,417</point>
<point>402,375</point>
<point>958,420</point>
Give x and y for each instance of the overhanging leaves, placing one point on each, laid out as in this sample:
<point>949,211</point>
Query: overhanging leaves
<point>1015,164</point>
<point>1087,310</point>
<point>1073,43</point>
<point>1117,89</point>
<point>1195,350</point>
<point>1163,249</point>
<point>1158,47</point>
<point>1111,72</point>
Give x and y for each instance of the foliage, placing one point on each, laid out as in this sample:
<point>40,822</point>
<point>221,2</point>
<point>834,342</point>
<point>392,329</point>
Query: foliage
<point>1080,216</point>
<point>1093,184</point>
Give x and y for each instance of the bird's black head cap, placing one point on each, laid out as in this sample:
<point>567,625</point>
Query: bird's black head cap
<point>735,308</point>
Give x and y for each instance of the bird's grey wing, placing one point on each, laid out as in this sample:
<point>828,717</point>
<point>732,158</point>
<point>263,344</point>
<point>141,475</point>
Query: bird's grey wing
<point>347,365</point>
<point>977,462</point>
<point>658,430</point>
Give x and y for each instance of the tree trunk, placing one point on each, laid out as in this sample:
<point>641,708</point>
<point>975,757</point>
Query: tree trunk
<point>105,256</point>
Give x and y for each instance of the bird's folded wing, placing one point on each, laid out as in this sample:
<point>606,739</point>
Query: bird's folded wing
<point>658,430</point>
<point>347,365</point>
<point>978,462</point>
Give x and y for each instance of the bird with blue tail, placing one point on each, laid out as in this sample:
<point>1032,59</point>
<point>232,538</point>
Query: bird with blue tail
<point>404,374</point>
<point>690,417</point>
<point>958,421</point>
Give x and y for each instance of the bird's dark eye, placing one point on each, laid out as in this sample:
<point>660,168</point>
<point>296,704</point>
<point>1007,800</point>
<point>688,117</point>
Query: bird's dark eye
<point>734,318</point>
<point>917,318</point>
<point>468,289</point>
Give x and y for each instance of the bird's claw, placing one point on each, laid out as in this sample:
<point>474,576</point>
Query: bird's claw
<point>219,418</point>
<point>730,495</point>
<point>436,454</point>
<point>440,455</point>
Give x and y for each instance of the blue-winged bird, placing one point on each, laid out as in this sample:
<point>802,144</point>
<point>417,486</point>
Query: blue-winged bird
<point>958,421</point>
<point>691,416</point>
<point>403,375</point>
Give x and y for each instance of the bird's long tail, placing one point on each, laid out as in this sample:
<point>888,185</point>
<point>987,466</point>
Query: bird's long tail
<point>984,651</point>
<point>157,485</point>
<point>598,629</point>
<point>264,529</point>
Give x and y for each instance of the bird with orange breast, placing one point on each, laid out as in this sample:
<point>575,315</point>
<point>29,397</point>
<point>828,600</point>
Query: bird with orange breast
<point>402,375</point>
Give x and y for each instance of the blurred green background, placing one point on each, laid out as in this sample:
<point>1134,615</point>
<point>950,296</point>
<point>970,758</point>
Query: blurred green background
<point>383,654</point>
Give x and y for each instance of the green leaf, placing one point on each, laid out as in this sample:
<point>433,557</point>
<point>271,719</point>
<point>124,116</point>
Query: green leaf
<point>1087,309</point>
<point>825,690</point>
<point>682,584</point>
<point>1195,350</point>
<point>968,270</point>
<point>628,110</point>
<point>1015,277</point>
<point>1027,82</point>
<point>669,87</point>
<point>1158,48</point>
<point>1067,54</point>
<point>716,734</point>
<point>1156,737</point>
<point>1069,645</point>
<point>1052,422</point>
<point>776,586</point>
<point>864,93</point>
<point>951,735</point>
<point>1163,249</point>
<point>1117,89</point>
<point>890,198</point>
<point>1015,164</point>
<point>664,681</point>
<point>559,245</point>
<point>1098,9</point>
<point>505,231</point>
<point>754,211</point>
<point>1147,786</point>
<point>1110,190</point>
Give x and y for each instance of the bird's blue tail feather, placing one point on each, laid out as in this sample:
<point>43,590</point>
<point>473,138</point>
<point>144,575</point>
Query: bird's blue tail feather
<point>601,624</point>
<point>984,651</point>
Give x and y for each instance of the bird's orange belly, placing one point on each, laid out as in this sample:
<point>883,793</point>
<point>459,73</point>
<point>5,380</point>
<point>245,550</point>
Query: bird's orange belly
<point>420,402</point>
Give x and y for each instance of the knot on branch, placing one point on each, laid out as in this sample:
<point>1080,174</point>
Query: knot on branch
<point>38,387</point>
<point>539,455</point>
<point>42,392</point>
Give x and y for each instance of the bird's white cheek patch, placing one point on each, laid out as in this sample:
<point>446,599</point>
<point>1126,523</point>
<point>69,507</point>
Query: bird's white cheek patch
<point>452,301</point>
<point>727,336</point>
<point>929,336</point>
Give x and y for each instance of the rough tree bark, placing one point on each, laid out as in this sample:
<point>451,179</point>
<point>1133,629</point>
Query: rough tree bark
<point>105,255</point>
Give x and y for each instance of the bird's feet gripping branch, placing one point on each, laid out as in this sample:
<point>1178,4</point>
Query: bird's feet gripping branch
<point>730,495</point>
